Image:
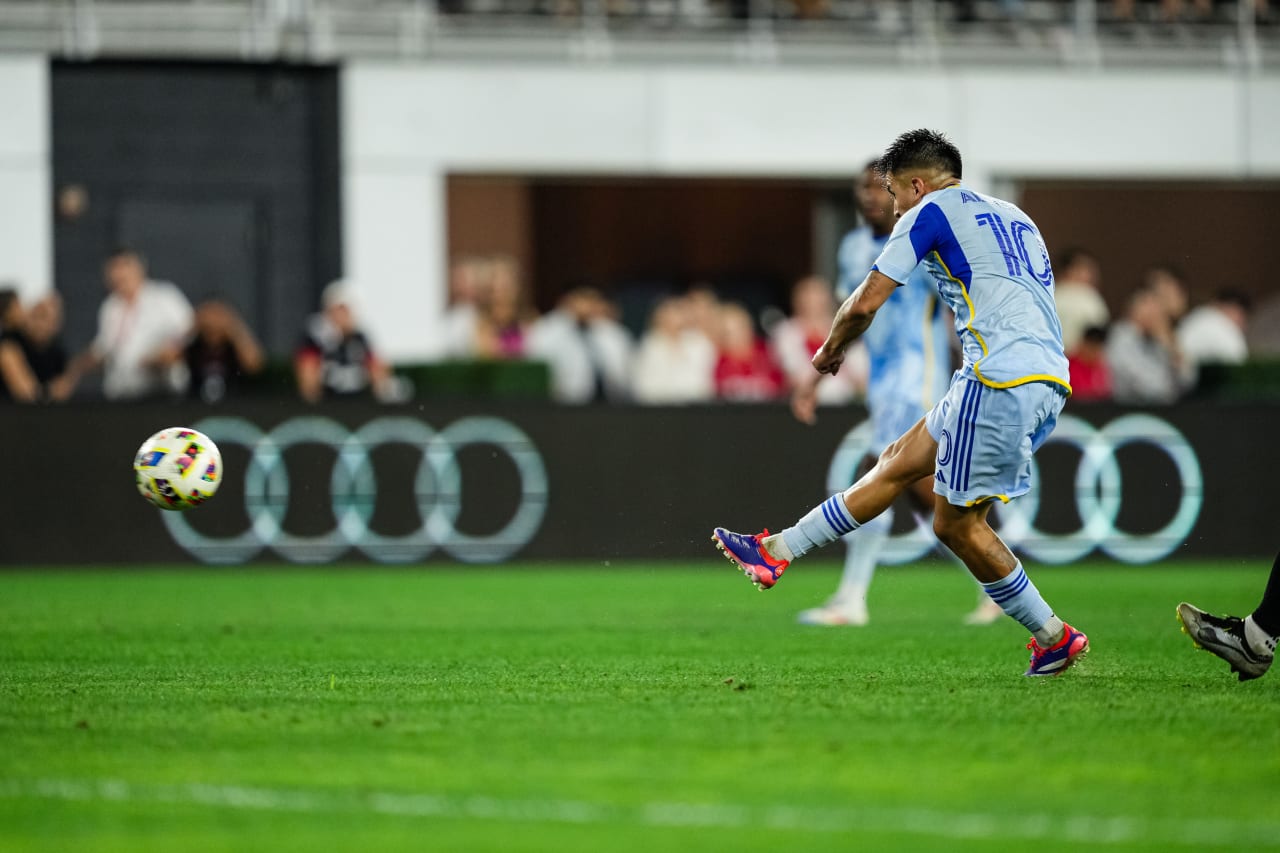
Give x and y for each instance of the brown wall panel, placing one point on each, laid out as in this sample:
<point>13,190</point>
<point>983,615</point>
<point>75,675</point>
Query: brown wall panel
<point>1219,234</point>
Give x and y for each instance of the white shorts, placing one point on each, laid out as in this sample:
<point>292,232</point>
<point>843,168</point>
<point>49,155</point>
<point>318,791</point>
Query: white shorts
<point>986,437</point>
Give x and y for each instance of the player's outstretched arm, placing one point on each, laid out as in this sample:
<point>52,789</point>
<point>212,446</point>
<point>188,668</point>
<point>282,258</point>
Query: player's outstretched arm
<point>852,319</point>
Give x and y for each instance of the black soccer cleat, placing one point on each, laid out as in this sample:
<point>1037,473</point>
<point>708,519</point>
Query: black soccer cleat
<point>1223,636</point>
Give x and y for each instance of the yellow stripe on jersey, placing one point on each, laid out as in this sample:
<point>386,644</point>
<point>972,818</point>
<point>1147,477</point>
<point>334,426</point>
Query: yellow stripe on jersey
<point>968,324</point>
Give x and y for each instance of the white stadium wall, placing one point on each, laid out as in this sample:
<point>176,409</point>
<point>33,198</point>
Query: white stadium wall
<point>406,127</point>
<point>26,209</point>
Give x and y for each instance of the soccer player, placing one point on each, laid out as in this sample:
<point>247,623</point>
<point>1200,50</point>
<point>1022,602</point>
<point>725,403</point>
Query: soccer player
<point>992,269</point>
<point>1248,644</point>
<point>909,372</point>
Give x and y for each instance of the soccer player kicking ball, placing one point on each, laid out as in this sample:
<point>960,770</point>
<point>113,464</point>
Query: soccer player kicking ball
<point>1248,644</point>
<point>910,371</point>
<point>992,269</point>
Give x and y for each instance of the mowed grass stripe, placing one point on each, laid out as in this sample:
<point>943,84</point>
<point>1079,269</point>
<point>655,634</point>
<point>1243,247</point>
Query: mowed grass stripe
<point>1077,828</point>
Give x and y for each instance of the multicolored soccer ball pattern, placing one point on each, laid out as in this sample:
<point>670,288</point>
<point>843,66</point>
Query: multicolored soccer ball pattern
<point>177,468</point>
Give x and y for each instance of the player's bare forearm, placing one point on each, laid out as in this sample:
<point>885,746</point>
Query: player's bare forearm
<point>852,319</point>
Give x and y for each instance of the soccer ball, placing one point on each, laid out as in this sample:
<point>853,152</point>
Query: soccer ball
<point>177,468</point>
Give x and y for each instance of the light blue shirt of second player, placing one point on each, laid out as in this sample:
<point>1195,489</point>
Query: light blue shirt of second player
<point>908,342</point>
<point>991,267</point>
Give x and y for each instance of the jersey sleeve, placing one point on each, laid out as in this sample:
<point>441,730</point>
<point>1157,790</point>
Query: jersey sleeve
<point>916,235</point>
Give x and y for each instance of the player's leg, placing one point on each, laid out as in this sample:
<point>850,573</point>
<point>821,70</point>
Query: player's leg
<point>1249,644</point>
<point>987,611</point>
<point>985,447</point>
<point>1266,616</point>
<point>763,558</point>
<point>964,529</point>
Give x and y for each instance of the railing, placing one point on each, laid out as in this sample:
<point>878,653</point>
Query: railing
<point>953,32</point>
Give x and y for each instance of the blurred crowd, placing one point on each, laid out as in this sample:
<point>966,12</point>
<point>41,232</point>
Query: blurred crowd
<point>886,15</point>
<point>152,343</point>
<point>695,346</point>
<point>1155,350</point>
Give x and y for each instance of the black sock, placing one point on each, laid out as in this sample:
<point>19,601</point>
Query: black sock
<point>1267,616</point>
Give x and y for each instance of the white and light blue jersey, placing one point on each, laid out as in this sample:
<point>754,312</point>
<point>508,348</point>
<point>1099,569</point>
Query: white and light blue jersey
<point>908,342</point>
<point>991,267</point>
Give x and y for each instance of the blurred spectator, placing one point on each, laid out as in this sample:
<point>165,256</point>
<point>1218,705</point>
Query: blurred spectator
<point>1077,282</point>
<point>33,362</point>
<point>17,381</point>
<point>1170,288</point>
<point>335,358</point>
<point>488,315</point>
<point>1142,352</point>
<point>704,310</point>
<point>745,369</point>
<point>222,350</point>
<point>468,278</point>
<point>676,361</point>
<point>46,354</point>
<point>141,327</point>
<point>1090,371</point>
<point>797,338</point>
<point>10,309</point>
<point>503,317</point>
<point>17,384</point>
<point>588,351</point>
<point>1214,333</point>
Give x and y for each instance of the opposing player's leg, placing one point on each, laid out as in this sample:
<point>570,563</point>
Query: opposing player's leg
<point>1266,617</point>
<point>764,557</point>
<point>1249,644</point>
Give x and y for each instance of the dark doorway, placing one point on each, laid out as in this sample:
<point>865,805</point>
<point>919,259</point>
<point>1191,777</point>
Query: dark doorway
<point>224,176</point>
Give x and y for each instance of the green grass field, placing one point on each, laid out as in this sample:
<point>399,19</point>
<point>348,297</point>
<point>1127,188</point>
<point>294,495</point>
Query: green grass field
<point>644,707</point>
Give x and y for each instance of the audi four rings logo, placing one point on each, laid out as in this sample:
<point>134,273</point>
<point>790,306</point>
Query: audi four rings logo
<point>1097,490</point>
<point>437,491</point>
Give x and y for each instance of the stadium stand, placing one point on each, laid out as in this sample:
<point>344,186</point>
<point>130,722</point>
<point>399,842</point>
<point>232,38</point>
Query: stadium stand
<point>1081,32</point>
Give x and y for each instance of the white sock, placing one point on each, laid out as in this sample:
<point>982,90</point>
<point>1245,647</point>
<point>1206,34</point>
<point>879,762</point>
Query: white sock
<point>1261,642</point>
<point>1050,632</point>
<point>862,556</point>
<point>777,547</point>
<point>822,525</point>
<point>1018,597</point>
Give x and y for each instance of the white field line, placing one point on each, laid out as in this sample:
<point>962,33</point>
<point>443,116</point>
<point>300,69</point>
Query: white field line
<point>1080,829</point>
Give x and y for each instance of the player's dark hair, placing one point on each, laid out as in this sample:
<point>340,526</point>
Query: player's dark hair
<point>920,149</point>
